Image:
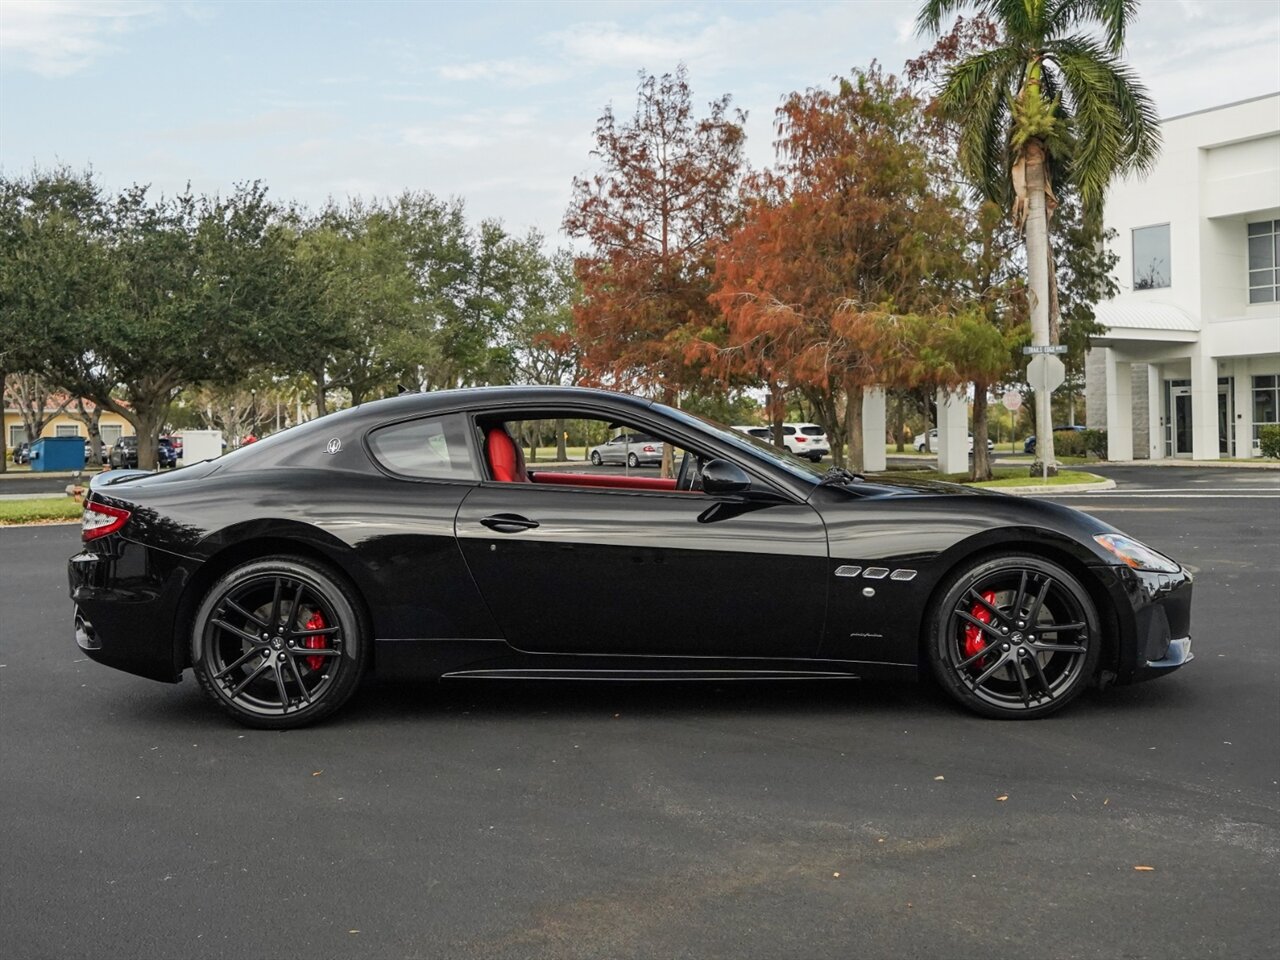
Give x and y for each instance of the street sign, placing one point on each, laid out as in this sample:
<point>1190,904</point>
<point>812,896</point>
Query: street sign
<point>1043,348</point>
<point>1045,372</point>
<point>1012,401</point>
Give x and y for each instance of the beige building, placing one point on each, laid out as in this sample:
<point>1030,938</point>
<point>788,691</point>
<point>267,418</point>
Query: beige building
<point>112,426</point>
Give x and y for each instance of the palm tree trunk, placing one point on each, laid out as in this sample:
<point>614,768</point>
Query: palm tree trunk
<point>1037,239</point>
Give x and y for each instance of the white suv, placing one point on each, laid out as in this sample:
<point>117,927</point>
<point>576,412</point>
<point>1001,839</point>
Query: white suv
<point>806,440</point>
<point>803,439</point>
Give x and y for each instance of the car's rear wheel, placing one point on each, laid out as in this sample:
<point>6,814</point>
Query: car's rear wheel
<point>1014,637</point>
<point>279,642</point>
<point>595,457</point>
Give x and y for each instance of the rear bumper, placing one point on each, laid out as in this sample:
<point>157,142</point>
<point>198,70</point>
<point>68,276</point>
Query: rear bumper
<point>125,597</point>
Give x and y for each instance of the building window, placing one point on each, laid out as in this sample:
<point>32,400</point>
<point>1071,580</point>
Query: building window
<point>1264,259</point>
<point>1266,402</point>
<point>1151,258</point>
<point>67,431</point>
<point>17,435</point>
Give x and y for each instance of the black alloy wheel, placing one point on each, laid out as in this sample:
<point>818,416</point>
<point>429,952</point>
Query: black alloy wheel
<point>279,643</point>
<point>632,460</point>
<point>1014,637</point>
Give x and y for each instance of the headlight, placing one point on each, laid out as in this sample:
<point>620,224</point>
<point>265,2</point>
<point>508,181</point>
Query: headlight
<point>1135,554</point>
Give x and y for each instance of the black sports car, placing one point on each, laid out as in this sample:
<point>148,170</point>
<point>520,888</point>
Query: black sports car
<point>408,537</point>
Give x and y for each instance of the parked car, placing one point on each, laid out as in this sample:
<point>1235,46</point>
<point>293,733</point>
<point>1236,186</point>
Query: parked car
<point>279,597</point>
<point>22,453</point>
<point>933,442</point>
<point>806,440</point>
<point>633,449</point>
<point>102,449</point>
<point>1029,445</point>
<point>760,433</point>
<point>124,453</point>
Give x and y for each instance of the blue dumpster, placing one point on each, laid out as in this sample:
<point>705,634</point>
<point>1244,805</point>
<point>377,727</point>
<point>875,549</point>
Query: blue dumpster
<point>57,453</point>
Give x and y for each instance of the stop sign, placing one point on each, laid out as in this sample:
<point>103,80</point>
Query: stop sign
<point>1045,372</point>
<point>1012,401</point>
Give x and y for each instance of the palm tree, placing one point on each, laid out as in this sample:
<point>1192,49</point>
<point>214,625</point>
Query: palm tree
<point>1053,101</point>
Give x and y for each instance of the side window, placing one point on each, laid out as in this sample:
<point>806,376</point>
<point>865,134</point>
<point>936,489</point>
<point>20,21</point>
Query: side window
<point>789,431</point>
<point>433,448</point>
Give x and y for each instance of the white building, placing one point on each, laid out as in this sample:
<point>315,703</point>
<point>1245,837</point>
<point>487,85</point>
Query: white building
<point>1190,363</point>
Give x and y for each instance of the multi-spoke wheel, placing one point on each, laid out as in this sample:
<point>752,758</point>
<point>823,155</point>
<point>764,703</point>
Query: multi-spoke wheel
<point>1014,636</point>
<point>632,460</point>
<point>279,643</point>
<point>596,458</point>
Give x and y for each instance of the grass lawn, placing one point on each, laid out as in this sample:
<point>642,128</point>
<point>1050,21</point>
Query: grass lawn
<point>1004,477</point>
<point>41,510</point>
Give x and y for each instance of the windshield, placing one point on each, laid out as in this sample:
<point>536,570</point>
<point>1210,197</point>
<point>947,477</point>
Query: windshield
<point>802,469</point>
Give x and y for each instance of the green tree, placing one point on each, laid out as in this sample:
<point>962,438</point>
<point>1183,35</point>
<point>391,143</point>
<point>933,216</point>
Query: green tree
<point>1048,103</point>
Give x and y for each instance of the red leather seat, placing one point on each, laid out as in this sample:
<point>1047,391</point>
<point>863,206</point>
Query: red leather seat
<point>506,459</point>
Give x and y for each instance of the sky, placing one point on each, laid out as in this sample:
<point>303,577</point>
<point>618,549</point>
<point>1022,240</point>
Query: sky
<point>494,103</point>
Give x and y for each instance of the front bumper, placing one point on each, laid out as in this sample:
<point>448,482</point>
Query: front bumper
<point>1154,620</point>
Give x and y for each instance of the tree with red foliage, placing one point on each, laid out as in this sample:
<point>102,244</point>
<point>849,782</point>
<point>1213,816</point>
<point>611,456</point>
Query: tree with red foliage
<point>848,249</point>
<point>666,193</point>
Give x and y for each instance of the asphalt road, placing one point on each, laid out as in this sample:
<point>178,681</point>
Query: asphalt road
<point>562,821</point>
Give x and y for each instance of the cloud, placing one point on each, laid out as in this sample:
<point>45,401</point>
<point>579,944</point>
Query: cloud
<point>517,72</point>
<point>60,37</point>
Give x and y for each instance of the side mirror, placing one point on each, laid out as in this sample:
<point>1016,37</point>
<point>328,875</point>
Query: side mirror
<point>721,476</point>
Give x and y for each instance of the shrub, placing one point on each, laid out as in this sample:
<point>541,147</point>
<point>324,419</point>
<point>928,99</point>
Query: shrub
<point>1068,443</point>
<point>1095,443</point>
<point>1269,439</point>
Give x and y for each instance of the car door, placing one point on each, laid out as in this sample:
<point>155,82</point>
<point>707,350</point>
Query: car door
<point>565,569</point>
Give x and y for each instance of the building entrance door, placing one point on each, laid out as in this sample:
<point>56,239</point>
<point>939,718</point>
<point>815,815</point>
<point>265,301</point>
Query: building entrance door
<point>1180,418</point>
<point>1226,419</point>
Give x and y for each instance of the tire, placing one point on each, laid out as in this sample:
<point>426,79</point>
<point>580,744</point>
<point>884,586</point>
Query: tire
<point>595,457</point>
<point>1022,674</point>
<point>632,460</point>
<point>299,673</point>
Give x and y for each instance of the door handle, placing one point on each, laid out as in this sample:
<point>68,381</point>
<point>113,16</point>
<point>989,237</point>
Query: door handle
<point>509,523</point>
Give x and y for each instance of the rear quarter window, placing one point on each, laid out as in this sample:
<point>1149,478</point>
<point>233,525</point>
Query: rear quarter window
<point>432,448</point>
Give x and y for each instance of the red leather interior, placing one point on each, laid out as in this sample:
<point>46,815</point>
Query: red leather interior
<point>506,459</point>
<point>604,480</point>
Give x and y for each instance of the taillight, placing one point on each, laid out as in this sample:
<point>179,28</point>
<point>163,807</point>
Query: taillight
<point>99,520</point>
<point>802,439</point>
<point>650,449</point>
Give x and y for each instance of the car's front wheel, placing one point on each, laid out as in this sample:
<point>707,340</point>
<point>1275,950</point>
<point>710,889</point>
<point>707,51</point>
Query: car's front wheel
<point>596,458</point>
<point>279,642</point>
<point>633,460</point>
<point>1014,637</point>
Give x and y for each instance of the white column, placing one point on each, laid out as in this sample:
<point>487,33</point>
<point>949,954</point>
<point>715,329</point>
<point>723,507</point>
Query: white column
<point>1204,405</point>
<point>1155,412</point>
<point>953,432</point>
<point>873,422</point>
<point>1119,407</point>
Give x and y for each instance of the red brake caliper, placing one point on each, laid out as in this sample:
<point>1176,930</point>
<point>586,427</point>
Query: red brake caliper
<point>316,642</point>
<point>973,642</point>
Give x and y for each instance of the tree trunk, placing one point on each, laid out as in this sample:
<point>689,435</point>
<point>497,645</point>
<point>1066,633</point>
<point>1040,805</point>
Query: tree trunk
<point>321,408</point>
<point>777,413</point>
<point>92,422</point>
<point>899,424</point>
<point>561,453</point>
<point>4,433</point>
<point>981,459</point>
<point>853,427</point>
<point>146,421</point>
<point>1037,239</point>
<point>669,397</point>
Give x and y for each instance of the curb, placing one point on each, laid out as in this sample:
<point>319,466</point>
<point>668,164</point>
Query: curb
<point>1053,489</point>
<point>1172,463</point>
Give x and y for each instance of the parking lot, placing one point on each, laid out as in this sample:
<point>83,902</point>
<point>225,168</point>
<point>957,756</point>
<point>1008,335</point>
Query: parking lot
<point>806,820</point>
